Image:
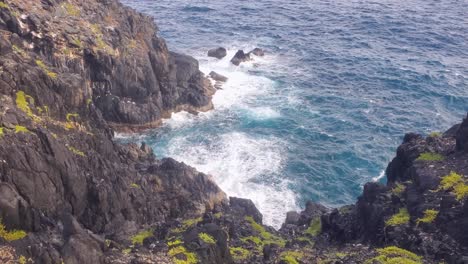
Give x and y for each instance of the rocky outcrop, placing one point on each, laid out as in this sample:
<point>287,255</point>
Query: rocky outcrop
<point>73,71</point>
<point>240,57</point>
<point>218,53</point>
<point>257,52</point>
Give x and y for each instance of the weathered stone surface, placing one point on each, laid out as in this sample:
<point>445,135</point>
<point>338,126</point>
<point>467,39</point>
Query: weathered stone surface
<point>218,53</point>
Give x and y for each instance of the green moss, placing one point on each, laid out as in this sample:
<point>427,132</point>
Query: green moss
<point>267,237</point>
<point>44,67</point>
<point>402,217</point>
<point>76,151</point>
<point>291,257</point>
<point>174,243</point>
<point>304,239</point>
<point>134,185</point>
<point>18,51</point>
<point>21,129</point>
<point>71,9</point>
<point>140,237</point>
<point>180,255</point>
<point>430,156</point>
<point>207,238</point>
<point>72,115</point>
<point>398,189</point>
<point>429,216</point>
<point>4,5</point>
<point>11,235</point>
<point>1,132</point>
<point>239,253</point>
<point>435,134</point>
<point>186,225</point>
<point>454,182</point>
<point>315,227</point>
<point>22,102</point>
<point>22,260</point>
<point>218,215</point>
<point>395,255</point>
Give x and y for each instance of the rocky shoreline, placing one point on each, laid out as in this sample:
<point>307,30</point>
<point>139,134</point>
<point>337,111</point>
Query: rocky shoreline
<point>72,72</point>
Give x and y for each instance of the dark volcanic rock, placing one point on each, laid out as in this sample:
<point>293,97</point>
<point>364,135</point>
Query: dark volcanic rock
<point>245,207</point>
<point>462,136</point>
<point>218,77</point>
<point>258,52</point>
<point>218,53</point>
<point>240,57</point>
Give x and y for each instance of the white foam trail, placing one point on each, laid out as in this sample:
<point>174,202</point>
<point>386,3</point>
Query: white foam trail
<point>243,167</point>
<point>378,178</point>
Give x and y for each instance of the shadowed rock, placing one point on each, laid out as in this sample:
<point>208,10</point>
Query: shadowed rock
<point>218,53</point>
<point>240,57</point>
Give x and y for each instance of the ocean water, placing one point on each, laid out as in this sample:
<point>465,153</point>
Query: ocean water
<point>324,111</point>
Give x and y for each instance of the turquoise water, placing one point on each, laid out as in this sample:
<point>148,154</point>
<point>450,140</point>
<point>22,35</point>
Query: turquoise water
<point>325,110</point>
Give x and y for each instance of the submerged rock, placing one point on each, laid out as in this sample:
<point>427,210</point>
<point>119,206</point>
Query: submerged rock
<point>258,52</point>
<point>218,53</point>
<point>240,57</point>
<point>218,77</point>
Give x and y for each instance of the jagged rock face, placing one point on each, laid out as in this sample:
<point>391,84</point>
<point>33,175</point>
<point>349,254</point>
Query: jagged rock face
<point>462,136</point>
<point>67,71</point>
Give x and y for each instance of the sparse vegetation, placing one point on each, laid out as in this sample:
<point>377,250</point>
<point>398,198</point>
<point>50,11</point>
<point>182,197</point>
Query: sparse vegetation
<point>22,260</point>
<point>71,9</point>
<point>180,255</point>
<point>44,67</point>
<point>174,243</point>
<point>435,134</point>
<point>239,253</point>
<point>430,156</point>
<point>4,5</point>
<point>76,151</point>
<point>315,227</point>
<point>140,237</point>
<point>454,182</point>
<point>1,131</point>
<point>18,50</point>
<point>127,251</point>
<point>401,218</point>
<point>218,215</point>
<point>207,238</point>
<point>186,224</point>
<point>291,257</point>
<point>21,129</point>
<point>22,102</point>
<point>77,42</point>
<point>266,237</point>
<point>134,185</point>
<point>398,189</point>
<point>11,235</point>
<point>395,255</point>
<point>429,216</point>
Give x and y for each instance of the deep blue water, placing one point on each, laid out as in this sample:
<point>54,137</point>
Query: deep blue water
<point>325,110</point>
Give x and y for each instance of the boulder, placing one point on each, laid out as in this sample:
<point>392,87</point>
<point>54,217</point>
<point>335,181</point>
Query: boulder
<point>218,77</point>
<point>240,57</point>
<point>245,207</point>
<point>218,53</point>
<point>258,52</point>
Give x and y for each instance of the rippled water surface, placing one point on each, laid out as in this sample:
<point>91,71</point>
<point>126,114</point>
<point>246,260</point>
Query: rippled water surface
<point>324,111</point>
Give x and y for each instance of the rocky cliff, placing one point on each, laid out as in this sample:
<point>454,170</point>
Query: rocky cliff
<point>72,72</point>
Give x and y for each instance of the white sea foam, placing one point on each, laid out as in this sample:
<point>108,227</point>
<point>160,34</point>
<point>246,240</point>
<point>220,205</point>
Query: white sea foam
<point>378,178</point>
<point>243,166</point>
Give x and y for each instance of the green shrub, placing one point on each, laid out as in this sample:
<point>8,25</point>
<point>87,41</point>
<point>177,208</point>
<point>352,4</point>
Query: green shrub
<point>76,151</point>
<point>21,129</point>
<point>71,9</point>
<point>267,237</point>
<point>454,182</point>
<point>140,237</point>
<point>291,257</point>
<point>315,227</point>
<point>44,67</point>
<point>429,216</point>
<point>395,255</point>
<point>186,225</point>
<point>174,243</point>
<point>435,134</point>
<point>430,156</point>
<point>401,218</point>
<point>181,252</point>
<point>398,189</point>
<point>207,238</point>
<point>11,235</point>
<point>4,5</point>
<point>239,253</point>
